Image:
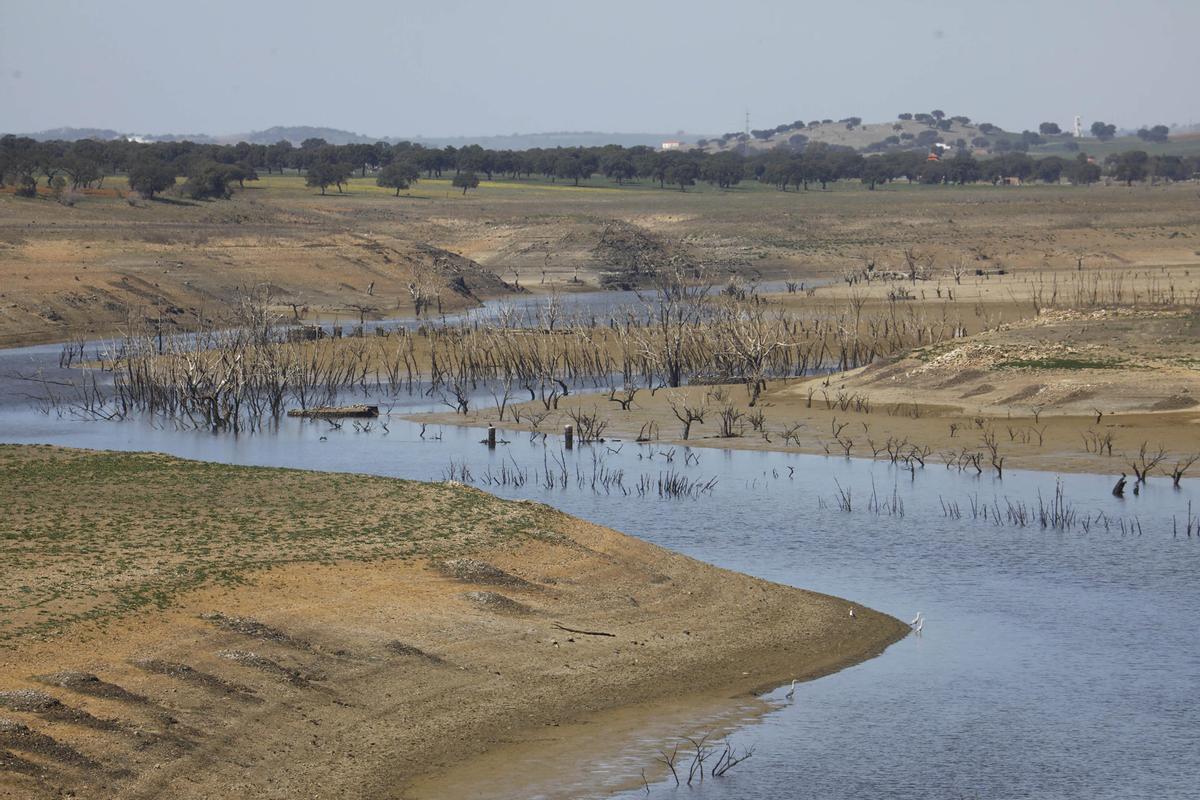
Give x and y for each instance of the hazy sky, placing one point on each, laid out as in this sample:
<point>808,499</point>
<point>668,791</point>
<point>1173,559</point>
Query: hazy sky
<point>450,67</point>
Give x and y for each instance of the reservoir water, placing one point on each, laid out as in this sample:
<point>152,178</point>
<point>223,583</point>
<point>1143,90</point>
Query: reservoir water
<point>1054,663</point>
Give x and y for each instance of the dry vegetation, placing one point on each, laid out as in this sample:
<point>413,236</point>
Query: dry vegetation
<point>1076,370</point>
<point>84,269</point>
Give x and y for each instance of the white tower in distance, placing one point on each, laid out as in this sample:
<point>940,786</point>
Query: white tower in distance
<point>1078,127</point>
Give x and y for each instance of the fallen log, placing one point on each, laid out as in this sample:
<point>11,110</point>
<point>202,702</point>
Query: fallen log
<point>336,411</point>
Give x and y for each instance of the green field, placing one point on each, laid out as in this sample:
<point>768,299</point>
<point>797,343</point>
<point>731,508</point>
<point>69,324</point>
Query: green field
<point>1183,146</point>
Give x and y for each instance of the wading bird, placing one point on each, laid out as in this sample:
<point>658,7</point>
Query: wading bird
<point>792,691</point>
<point>915,621</point>
<point>920,627</point>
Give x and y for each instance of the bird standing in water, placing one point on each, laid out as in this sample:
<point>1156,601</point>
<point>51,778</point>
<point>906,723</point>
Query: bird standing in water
<point>792,691</point>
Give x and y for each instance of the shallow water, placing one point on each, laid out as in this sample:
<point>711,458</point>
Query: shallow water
<point>1058,664</point>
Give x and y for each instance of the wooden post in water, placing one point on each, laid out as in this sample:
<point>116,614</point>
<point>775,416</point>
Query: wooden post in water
<point>491,440</point>
<point>569,437</point>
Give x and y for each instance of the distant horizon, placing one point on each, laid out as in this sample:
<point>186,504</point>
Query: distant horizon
<point>1066,124</point>
<point>573,131</point>
<point>232,137</point>
<point>433,71</point>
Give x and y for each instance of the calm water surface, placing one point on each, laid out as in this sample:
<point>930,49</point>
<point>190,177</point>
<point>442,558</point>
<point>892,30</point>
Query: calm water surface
<point>1054,664</point>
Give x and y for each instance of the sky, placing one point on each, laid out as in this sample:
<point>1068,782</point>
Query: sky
<point>466,67</point>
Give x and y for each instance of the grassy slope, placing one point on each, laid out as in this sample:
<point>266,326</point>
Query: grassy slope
<point>86,536</point>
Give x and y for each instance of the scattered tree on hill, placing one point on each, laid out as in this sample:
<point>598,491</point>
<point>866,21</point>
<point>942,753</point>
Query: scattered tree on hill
<point>82,171</point>
<point>1129,166</point>
<point>466,180</point>
<point>573,168</point>
<point>149,176</point>
<point>1049,129</point>
<point>398,175</point>
<point>622,169</point>
<point>323,174</point>
<point>724,170</point>
<point>1169,168</point>
<point>875,171</point>
<point>1103,131</point>
<point>987,128</point>
<point>209,180</point>
<point>682,174</point>
<point>1050,169</point>
<point>1159,133</point>
<point>929,137</point>
<point>962,169</point>
<point>1083,171</point>
<point>937,113</point>
<point>905,116</point>
<point>278,156</point>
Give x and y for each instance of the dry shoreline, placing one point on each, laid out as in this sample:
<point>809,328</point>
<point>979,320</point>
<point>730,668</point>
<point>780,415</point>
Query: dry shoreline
<point>1056,457</point>
<point>349,676</point>
<point>1065,391</point>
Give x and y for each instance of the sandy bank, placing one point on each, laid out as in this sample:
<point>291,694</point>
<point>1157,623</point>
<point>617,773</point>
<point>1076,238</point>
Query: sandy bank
<point>333,646</point>
<point>1067,391</point>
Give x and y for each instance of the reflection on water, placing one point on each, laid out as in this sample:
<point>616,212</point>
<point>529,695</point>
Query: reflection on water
<point>1053,663</point>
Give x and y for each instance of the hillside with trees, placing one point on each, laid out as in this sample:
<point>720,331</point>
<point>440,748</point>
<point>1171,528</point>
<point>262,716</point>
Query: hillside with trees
<point>936,128</point>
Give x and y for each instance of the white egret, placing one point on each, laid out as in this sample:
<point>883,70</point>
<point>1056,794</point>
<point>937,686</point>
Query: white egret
<point>915,620</point>
<point>920,627</point>
<point>792,691</point>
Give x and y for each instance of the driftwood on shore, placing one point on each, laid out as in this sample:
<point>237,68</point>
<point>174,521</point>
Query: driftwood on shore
<point>336,411</point>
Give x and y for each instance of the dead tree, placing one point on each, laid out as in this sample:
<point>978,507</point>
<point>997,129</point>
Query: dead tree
<point>1181,467</point>
<point>1146,462</point>
<point>629,392</point>
<point>589,426</point>
<point>687,414</point>
<point>730,417</point>
<point>989,441</point>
